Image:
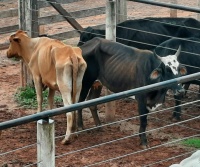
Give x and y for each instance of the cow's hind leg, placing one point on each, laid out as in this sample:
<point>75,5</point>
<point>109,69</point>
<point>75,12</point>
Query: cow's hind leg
<point>82,98</point>
<point>64,80</point>
<point>95,92</point>
<point>84,92</point>
<point>81,70</point>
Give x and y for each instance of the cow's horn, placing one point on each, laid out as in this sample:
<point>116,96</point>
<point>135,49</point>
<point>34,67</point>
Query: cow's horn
<point>160,58</point>
<point>178,51</point>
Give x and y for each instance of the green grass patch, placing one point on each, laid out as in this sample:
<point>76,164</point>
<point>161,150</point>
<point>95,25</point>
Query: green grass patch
<point>15,59</point>
<point>193,142</point>
<point>26,97</point>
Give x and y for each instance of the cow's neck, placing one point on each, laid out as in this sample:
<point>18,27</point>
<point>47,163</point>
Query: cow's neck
<point>28,49</point>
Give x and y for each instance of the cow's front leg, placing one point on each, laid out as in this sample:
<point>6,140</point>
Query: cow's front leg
<point>177,109</point>
<point>51,98</point>
<point>186,87</point>
<point>143,121</point>
<point>38,89</point>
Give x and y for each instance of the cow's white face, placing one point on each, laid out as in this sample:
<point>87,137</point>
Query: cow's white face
<point>172,62</point>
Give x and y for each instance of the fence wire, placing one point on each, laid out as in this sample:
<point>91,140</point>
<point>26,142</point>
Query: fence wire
<point>136,134</point>
<point>140,151</point>
<point>136,117</point>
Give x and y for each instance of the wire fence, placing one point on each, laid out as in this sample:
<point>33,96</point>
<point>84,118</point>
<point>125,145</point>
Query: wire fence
<point>117,143</point>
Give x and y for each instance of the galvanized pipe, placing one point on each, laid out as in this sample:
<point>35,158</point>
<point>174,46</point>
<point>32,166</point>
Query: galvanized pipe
<point>81,105</point>
<point>168,5</point>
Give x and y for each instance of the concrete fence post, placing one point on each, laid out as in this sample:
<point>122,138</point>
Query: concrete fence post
<point>110,107</point>
<point>121,11</point>
<point>45,143</point>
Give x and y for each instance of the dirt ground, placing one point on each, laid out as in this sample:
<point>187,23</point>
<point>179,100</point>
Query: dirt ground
<point>18,144</point>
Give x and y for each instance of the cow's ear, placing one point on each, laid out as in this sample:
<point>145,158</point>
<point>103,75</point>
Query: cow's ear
<point>16,39</point>
<point>155,74</point>
<point>183,70</point>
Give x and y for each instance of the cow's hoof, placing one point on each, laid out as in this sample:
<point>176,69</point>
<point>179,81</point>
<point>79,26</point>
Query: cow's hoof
<point>80,128</point>
<point>69,139</point>
<point>145,146</point>
<point>100,129</point>
<point>175,119</point>
<point>65,142</point>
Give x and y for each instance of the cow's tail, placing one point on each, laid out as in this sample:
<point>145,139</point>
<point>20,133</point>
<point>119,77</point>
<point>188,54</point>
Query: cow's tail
<point>75,66</point>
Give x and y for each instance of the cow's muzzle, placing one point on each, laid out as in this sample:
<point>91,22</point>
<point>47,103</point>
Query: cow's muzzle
<point>180,91</point>
<point>10,55</point>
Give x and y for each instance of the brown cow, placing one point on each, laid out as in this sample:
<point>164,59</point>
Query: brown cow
<point>53,64</point>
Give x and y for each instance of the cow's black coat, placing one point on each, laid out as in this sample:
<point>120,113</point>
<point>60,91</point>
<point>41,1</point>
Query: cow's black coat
<point>147,34</point>
<point>120,67</point>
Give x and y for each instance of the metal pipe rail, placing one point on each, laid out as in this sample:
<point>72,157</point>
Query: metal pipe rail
<point>168,5</point>
<point>50,113</point>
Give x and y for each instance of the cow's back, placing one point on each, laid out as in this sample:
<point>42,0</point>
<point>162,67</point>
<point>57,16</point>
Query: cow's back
<point>148,33</point>
<point>118,62</point>
<point>46,62</point>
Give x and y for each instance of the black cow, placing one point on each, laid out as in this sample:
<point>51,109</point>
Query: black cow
<point>147,33</point>
<point>107,61</point>
<point>189,57</point>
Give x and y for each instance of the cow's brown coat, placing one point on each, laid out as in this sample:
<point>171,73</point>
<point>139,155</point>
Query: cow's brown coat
<point>53,64</point>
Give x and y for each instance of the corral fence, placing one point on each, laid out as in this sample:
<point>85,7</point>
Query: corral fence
<point>28,15</point>
<point>45,126</point>
<point>46,143</point>
<point>31,20</point>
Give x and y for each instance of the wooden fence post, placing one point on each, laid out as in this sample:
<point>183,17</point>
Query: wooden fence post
<point>45,143</point>
<point>28,21</point>
<point>31,17</point>
<point>41,27</point>
<point>173,12</point>
<point>110,107</point>
<point>22,26</point>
